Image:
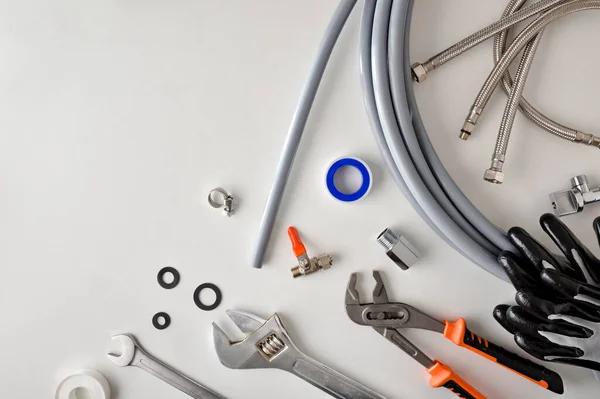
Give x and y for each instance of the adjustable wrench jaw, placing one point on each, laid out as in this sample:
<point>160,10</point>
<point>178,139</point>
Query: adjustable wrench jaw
<point>268,346</point>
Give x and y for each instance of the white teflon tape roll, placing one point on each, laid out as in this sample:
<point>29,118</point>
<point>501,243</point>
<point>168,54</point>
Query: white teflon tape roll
<point>93,382</point>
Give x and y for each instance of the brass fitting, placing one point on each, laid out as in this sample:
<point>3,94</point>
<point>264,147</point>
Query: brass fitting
<point>306,265</point>
<point>470,123</point>
<point>321,262</point>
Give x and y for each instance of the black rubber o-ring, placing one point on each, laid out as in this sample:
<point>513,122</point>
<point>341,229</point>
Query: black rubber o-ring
<point>163,283</point>
<point>159,326</point>
<point>212,287</point>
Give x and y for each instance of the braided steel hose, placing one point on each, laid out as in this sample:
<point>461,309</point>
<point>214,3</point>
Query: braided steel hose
<point>549,11</point>
<point>421,70</point>
<point>525,107</point>
<point>516,46</point>
<point>494,173</point>
<point>514,89</point>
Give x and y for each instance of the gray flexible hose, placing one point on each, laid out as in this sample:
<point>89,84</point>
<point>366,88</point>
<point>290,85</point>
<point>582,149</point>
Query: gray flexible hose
<point>307,97</point>
<point>399,131</point>
<point>449,187</point>
<point>399,134</point>
<point>369,97</point>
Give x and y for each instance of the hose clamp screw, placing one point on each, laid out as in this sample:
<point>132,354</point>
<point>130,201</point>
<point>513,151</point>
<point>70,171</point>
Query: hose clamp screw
<point>226,200</point>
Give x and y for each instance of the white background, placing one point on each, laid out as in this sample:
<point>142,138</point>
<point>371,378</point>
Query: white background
<point>118,117</point>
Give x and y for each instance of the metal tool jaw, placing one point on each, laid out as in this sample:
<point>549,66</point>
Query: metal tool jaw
<point>386,317</point>
<point>128,345</point>
<point>133,355</point>
<point>385,314</point>
<point>267,344</point>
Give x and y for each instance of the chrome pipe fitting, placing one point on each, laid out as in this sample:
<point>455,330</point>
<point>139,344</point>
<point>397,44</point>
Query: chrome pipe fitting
<point>568,202</point>
<point>398,248</point>
<point>420,71</point>
<point>494,174</point>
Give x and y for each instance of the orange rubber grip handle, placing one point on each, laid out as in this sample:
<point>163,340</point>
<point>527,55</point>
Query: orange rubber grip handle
<point>458,333</point>
<point>443,376</point>
<point>297,245</point>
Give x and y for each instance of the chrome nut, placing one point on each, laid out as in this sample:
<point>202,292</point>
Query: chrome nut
<point>493,176</point>
<point>419,73</point>
<point>323,262</point>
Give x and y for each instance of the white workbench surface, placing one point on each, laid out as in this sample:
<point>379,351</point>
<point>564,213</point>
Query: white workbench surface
<point>118,117</point>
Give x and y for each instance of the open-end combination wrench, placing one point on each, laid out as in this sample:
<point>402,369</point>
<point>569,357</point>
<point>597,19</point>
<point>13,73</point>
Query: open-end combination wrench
<point>134,355</point>
<point>268,345</point>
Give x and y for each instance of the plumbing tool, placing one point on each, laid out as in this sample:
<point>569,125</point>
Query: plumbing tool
<point>134,355</point>
<point>306,265</point>
<point>568,202</point>
<point>387,317</point>
<point>267,344</point>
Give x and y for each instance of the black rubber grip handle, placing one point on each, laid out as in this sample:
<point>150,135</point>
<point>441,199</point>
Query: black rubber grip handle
<point>537,373</point>
<point>458,390</point>
<point>458,333</point>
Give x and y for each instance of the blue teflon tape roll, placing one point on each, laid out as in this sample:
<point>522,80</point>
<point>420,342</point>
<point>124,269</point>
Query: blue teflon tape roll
<point>353,162</point>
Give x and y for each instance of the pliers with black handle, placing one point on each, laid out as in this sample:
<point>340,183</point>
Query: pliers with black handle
<point>387,317</point>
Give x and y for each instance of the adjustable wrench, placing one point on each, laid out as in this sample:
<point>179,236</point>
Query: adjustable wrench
<point>267,344</point>
<point>134,355</point>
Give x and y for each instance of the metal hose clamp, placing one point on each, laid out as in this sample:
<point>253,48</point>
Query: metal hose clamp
<point>227,200</point>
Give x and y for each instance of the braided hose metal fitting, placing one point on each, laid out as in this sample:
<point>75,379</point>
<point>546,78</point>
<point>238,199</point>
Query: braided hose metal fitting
<point>587,139</point>
<point>494,174</point>
<point>480,36</point>
<point>470,122</point>
<point>420,71</point>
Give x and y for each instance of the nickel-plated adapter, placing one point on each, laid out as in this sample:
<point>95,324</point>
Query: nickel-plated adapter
<point>398,248</point>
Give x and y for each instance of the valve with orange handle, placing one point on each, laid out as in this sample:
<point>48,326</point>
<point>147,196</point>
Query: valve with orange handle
<point>388,317</point>
<point>306,265</point>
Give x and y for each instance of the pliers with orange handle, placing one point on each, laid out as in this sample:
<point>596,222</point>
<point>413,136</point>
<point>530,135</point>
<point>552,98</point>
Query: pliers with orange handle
<point>387,317</point>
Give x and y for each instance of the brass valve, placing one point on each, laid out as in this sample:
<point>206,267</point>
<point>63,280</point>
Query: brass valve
<point>306,265</point>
